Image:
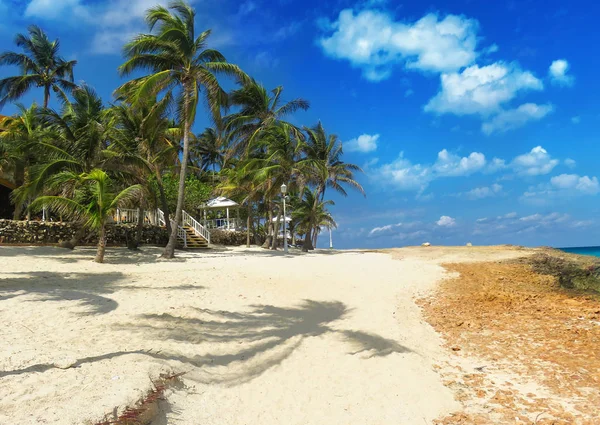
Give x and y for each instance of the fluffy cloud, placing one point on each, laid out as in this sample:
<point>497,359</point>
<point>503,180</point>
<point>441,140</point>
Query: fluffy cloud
<point>561,187</point>
<point>449,164</point>
<point>481,90</point>
<point>585,184</point>
<point>52,9</point>
<point>407,176</point>
<point>482,192</point>
<point>571,163</point>
<point>373,41</point>
<point>558,73</point>
<point>515,118</point>
<point>514,224</point>
<point>446,221</point>
<point>363,143</point>
<point>534,163</point>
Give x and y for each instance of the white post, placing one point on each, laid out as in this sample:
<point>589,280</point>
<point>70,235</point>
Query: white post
<point>330,240</point>
<point>44,214</point>
<point>227,218</point>
<point>118,215</point>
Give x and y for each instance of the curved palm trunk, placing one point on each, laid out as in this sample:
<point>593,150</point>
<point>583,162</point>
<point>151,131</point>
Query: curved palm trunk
<point>140,224</point>
<point>163,200</point>
<point>269,237</point>
<point>307,245</point>
<point>46,96</point>
<point>170,248</point>
<point>101,245</point>
<point>248,221</point>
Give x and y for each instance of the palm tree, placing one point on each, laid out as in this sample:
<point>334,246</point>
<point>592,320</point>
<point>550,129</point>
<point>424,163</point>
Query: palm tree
<point>40,65</point>
<point>140,138</point>
<point>328,151</point>
<point>311,214</point>
<point>333,171</point>
<point>18,140</point>
<point>94,201</point>
<point>259,110</point>
<point>209,150</point>
<point>176,58</point>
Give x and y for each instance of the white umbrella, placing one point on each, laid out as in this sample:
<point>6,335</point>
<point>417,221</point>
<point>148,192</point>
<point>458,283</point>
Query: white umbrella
<point>287,219</point>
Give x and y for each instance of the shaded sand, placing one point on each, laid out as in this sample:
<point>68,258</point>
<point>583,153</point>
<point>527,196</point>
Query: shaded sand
<point>326,338</point>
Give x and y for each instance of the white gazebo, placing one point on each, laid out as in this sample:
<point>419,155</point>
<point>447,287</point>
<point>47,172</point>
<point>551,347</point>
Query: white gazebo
<point>224,223</point>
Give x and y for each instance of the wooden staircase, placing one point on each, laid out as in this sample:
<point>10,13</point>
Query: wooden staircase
<point>193,240</point>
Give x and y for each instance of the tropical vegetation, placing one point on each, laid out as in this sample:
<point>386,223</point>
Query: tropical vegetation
<point>81,157</point>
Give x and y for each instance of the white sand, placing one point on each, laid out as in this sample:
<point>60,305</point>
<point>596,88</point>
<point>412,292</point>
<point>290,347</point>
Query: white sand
<point>264,339</point>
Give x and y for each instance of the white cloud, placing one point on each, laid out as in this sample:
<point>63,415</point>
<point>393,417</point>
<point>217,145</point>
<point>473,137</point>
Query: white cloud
<point>481,90</point>
<point>558,73</point>
<point>585,184</point>
<point>404,175</point>
<point>407,176</point>
<point>373,41</point>
<point>446,221</point>
<point>363,143</point>
<point>449,164</point>
<point>409,92</point>
<point>52,9</point>
<point>512,223</point>
<point>576,120</point>
<point>483,192</point>
<point>515,118</point>
<point>534,163</point>
<point>571,163</point>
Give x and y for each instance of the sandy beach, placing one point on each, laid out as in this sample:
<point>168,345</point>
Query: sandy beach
<point>329,337</point>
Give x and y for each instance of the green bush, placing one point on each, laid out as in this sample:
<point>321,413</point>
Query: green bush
<point>571,274</point>
<point>229,238</point>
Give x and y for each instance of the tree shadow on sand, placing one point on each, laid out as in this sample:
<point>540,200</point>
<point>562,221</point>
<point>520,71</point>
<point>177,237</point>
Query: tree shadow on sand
<point>89,290</point>
<point>231,348</point>
<point>243,345</point>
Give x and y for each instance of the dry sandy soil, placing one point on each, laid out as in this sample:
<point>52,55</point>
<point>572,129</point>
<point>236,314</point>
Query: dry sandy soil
<point>325,338</point>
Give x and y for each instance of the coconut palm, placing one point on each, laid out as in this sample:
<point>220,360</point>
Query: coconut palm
<point>141,140</point>
<point>41,66</point>
<point>327,150</point>
<point>18,141</point>
<point>94,201</point>
<point>259,110</point>
<point>176,58</point>
<point>310,215</point>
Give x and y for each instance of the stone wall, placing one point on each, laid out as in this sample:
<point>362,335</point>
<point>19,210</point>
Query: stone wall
<point>39,232</point>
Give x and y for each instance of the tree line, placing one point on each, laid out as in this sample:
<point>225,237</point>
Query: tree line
<point>84,159</point>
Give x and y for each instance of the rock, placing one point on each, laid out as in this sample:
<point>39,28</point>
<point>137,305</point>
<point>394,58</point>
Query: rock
<point>469,244</point>
<point>426,244</point>
<point>65,362</point>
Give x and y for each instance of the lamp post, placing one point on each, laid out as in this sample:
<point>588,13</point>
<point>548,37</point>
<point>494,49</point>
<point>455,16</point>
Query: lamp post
<point>285,243</point>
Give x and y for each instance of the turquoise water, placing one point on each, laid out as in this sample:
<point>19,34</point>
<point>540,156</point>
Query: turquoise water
<point>584,250</point>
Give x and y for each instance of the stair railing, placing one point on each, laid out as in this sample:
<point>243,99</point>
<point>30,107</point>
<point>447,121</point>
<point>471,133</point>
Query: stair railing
<point>199,229</point>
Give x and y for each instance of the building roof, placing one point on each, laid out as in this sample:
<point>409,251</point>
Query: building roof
<point>220,202</point>
<point>7,183</point>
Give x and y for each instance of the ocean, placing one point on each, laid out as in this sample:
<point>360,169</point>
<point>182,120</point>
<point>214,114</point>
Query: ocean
<point>584,250</point>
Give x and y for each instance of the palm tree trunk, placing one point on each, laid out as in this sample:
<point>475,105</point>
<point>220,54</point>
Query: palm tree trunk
<point>140,224</point>
<point>101,245</point>
<point>163,200</point>
<point>19,176</point>
<point>46,96</point>
<point>248,221</point>
<point>170,248</point>
<point>307,245</point>
<point>269,237</point>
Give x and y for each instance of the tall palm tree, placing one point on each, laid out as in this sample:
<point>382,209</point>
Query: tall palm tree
<point>176,59</point>
<point>209,149</point>
<point>41,66</point>
<point>327,149</point>
<point>333,172</point>
<point>94,201</point>
<point>311,214</point>
<point>140,139</point>
<point>259,110</point>
<point>18,142</point>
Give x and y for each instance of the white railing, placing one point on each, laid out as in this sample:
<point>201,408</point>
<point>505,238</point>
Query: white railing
<point>223,224</point>
<point>200,230</point>
<point>181,234</point>
<point>160,217</point>
<point>124,215</point>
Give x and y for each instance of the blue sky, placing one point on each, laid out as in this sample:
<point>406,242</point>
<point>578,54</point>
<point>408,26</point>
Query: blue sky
<point>474,121</point>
